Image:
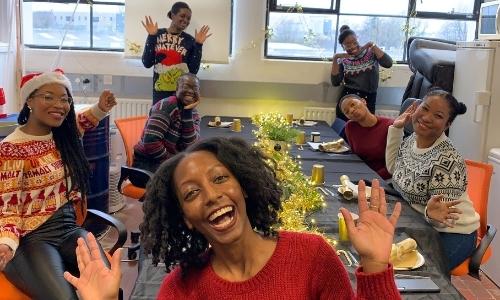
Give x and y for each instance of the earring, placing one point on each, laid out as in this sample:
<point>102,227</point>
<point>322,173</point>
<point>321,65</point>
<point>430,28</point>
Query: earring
<point>31,110</point>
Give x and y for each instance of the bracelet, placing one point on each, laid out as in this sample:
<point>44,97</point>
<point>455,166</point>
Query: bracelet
<point>426,216</point>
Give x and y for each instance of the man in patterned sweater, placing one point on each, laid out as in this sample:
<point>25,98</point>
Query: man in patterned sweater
<point>173,125</point>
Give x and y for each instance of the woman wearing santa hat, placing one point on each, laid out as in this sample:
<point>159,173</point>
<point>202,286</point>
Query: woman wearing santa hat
<point>44,179</point>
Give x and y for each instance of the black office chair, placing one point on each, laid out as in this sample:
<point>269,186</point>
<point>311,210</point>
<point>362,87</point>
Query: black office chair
<point>338,126</point>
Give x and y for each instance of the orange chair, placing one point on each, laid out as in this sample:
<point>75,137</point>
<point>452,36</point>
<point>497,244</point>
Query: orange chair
<point>9,292</point>
<point>131,130</point>
<point>479,177</point>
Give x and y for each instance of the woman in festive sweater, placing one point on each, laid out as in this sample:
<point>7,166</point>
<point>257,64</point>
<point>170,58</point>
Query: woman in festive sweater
<point>172,51</point>
<point>366,133</point>
<point>358,68</point>
<point>431,175</point>
<point>44,173</point>
<point>210,214</point>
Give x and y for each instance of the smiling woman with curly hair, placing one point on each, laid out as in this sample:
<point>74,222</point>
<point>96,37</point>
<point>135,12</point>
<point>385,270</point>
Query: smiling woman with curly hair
<point>209,215</point>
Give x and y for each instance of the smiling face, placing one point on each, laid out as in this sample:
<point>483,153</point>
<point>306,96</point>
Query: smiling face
<point>188,89</point>
<point>431,118</point>
<point>354,109</point>
<point>181,19</point>
<point>351,45</point>
<point>211,198</point>
<point>50,105</point>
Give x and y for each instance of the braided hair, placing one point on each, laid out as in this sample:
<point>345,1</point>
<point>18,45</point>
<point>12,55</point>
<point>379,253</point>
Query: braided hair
<point>69,145</point>
<point>164,232</point>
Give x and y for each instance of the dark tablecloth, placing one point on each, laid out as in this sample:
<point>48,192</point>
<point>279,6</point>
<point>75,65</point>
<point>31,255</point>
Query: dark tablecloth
<point>410,224</point>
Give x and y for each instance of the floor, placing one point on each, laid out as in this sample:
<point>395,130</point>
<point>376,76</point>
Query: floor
<point>131,215</point>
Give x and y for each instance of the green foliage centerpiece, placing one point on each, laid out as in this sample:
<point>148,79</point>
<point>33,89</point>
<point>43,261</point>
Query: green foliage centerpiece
<point>300,199</point>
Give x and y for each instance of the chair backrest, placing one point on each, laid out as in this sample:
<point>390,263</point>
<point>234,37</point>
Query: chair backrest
<point>131,131</point>
<point>478,188</point>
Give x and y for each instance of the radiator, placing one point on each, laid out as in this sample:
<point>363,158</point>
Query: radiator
<point>124,109</point>
<point>388,113</point>
<point>326,114</point>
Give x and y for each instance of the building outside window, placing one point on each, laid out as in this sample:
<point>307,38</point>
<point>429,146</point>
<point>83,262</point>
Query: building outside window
<point>45,23</point>
<point>309,29</point>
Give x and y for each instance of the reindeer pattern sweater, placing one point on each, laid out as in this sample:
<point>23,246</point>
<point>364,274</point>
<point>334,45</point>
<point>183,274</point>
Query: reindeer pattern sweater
<point>32,183</point>
<point>303,266</point>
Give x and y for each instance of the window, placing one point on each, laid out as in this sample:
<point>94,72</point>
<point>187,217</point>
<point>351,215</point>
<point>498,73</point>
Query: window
<point>309,29</point>
<point>47,23</point>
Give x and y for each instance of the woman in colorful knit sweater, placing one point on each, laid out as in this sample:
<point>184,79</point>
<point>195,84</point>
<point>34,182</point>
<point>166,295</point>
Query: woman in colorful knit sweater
<point>172,51</point>
<point>210,215</point>
<point>173,125</point>
<point>431,175</point>
<point>358,68</point>
<point>366,133</point>
<point>44,174</point>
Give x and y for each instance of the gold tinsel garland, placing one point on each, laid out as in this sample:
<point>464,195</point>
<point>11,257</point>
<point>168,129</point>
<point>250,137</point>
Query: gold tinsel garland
<point>300,199</point>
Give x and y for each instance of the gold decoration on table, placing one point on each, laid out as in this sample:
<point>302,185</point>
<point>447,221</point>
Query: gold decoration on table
<point>300,199</point>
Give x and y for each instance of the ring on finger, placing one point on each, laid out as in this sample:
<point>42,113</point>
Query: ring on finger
<point>373,207</point>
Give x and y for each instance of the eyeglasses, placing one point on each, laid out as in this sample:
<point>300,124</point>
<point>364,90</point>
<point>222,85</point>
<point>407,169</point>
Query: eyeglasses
<point>48,98</point>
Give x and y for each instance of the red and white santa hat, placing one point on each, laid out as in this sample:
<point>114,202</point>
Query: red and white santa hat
<point>32,82</point>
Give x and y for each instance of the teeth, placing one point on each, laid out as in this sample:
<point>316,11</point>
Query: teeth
<point>219,213</point>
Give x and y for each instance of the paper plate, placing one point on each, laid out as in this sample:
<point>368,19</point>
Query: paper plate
<point>420,262</point>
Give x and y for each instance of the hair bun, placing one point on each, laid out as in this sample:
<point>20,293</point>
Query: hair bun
<point>462,108</point>
<point>169,14</point>
<point>344,28</point>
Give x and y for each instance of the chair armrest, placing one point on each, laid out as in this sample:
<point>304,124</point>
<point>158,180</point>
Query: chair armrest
<point>96,216</point>
<point>477,255</point>
<point>141,177</point>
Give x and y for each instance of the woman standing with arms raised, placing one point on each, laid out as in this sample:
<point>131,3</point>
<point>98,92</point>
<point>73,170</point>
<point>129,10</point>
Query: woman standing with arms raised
<point>172,51</point>
<point>358,68</point>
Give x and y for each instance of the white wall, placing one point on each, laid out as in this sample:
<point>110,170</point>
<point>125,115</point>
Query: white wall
<point>7,55</point>
<point>246,64</point>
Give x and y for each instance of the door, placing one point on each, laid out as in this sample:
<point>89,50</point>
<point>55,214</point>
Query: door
<point>472,84</point>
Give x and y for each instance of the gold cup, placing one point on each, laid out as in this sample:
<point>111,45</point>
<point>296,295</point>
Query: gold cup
<point>236,125</point>
<point>347,192</point>
<point>289,118</point>
<point>318,174</point>
<point>301,138</point>
<point>343,233</point>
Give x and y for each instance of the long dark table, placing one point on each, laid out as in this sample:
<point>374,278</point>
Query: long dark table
<point>410,224</point>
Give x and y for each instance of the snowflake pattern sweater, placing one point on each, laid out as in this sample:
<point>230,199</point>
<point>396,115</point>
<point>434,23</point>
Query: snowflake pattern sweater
<point>361,72</point>
<point>418,174</point>
<point>32,183</point>
<point>303,266</point>
<point>171,55</point>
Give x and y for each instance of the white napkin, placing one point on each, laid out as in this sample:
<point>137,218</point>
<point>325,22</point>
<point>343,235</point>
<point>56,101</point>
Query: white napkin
<point>354,188</point>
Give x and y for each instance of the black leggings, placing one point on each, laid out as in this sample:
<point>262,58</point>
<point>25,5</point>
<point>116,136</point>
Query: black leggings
<point>44,254</point>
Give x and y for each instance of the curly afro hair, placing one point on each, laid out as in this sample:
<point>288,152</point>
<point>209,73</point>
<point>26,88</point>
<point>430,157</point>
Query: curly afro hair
<point>164,233</point>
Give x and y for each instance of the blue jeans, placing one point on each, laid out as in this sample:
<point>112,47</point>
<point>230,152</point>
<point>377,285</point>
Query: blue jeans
<point>457,247</point>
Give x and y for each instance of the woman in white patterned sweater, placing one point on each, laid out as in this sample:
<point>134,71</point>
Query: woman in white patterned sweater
<point>431,175</point>
<point>44,183</point>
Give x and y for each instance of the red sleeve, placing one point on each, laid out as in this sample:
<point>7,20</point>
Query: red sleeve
<point>331,280</point>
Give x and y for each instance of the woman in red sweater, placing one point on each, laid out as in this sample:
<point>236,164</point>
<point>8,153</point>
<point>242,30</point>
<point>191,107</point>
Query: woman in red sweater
<point>211,214</point>
<point>366,133</point>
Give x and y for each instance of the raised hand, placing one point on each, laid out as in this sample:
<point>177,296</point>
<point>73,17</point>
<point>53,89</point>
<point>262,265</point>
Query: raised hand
<point>96,280</point>
<point>202,35</point>
<point>106,101</point>
<point>151,28</point>
<point>340,55</point>
<point>405,117</point>
<point>367,45</point>
<point>373,235</point>
<point>443,212</point>
<point>193,105</point>
<point>6,255</point>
